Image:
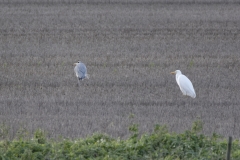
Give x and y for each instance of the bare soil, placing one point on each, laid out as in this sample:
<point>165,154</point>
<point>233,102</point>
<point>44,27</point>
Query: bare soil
<point>129,48</point>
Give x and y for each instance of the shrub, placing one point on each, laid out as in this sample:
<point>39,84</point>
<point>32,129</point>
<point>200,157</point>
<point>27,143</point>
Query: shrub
<point>160,144</point>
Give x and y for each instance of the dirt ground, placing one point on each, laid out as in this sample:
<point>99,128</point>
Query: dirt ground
<point>129,48</point>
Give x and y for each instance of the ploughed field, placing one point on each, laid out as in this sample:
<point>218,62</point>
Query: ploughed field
<point>129,48</point>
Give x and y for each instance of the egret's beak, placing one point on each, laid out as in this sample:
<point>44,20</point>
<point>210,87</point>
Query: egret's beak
<point>75,64</point>
<point>173,72</point>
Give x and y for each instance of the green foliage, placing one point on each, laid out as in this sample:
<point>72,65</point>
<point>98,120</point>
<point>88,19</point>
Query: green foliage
<point>131,116</point>
<point>5,65</point>
<point>40,136</point>
<point>22,134</point>
<point>191,64</point>
<point>151,64</point>
<point>4,131</point>
<point>160,145</point>
<point>197,126</point>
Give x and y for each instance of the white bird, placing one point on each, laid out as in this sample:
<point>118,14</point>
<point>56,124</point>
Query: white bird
<point>185,84</point>
<point>81,70</point>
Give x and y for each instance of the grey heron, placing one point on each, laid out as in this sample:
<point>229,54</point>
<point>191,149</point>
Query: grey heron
<point>81,70</point>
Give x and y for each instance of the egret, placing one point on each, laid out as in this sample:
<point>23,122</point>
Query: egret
<point>185,84</point>
<point>81,70</point>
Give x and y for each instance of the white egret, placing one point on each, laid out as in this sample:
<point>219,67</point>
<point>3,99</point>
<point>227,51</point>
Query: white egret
<point>81,70</point>
<point>185,84</point>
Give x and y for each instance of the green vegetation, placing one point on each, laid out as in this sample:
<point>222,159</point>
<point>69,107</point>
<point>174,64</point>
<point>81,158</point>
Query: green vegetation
<point>191,64</point>
<point>160,144</point>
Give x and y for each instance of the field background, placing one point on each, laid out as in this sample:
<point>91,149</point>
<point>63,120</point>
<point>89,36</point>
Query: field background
<point>130,48</point>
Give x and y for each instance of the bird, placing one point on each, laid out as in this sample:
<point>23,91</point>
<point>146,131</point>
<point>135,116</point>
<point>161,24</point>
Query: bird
<point>81,71</point>
<point>185,84</point>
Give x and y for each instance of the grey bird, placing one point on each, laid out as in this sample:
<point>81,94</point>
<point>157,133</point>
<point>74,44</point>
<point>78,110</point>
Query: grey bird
<point>81,70</point>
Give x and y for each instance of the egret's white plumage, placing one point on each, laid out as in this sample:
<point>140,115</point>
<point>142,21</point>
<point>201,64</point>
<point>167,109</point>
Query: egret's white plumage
<point>185,84</point>
<point>81,70</point>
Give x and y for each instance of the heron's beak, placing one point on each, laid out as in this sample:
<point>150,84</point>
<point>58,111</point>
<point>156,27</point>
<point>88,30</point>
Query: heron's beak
<point>173,72</point>
<point>75,64</point>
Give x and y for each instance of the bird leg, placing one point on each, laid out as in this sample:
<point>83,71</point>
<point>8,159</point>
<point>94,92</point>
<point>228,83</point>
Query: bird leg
<point>78,82</point>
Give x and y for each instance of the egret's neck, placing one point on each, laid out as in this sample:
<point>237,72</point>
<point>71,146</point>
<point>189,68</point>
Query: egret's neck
<point>178,74</point>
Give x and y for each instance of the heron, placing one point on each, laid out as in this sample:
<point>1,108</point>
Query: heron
<point>184,84</point>
<point>81,71</point>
